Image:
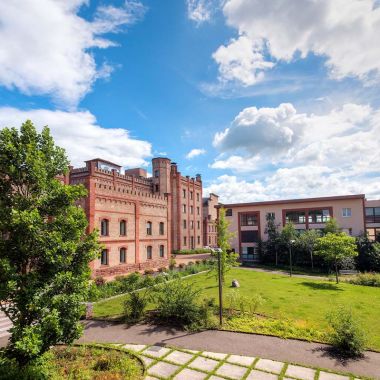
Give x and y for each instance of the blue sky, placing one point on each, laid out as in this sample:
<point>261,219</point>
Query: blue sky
<point>274,99</point>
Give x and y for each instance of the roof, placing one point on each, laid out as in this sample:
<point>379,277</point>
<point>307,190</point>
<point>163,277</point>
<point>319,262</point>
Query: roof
<point>301,200</point>
<point>105,161</point>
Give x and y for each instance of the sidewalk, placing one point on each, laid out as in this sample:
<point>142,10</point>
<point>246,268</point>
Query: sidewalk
<point>284,350</point>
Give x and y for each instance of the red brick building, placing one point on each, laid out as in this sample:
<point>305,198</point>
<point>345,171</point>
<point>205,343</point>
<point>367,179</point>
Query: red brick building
<point>141,219</point>
<point>210,216</point>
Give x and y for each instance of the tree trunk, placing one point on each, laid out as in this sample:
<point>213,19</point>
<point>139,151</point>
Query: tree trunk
<point>336,272</point>
<point>276,256</point>
<point>311,258</point>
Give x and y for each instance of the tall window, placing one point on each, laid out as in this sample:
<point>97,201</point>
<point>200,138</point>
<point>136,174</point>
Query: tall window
<point>184,193</point>
<point>149,228</point>
<point>184,208</point>
<point>248,220</point>
<point>123,255</point>
<point>156,173</point>
<point>198,197</point>
<point>197,210</point>
<point>198,224</point>
<point>199,239</point>
<point>184,224</point>
<point>123,228</point>
<point>162,228</point>
<point>192,224</point>
<point>191,210</point>
<point>191,195</point>
<point>346,212</point>
<point>149,252</point>
<point>184,240</point>
<point>104,257</point>
<point>229,212</point>
<point>162,250</point>
<point>104,227</point>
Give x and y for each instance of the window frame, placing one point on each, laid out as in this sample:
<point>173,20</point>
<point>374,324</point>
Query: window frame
<point>161,228</point>
<point>346,214</point>
<point>123,251</point>
<point>149,252</point>
<point>107,222</point>
<point>162,251</point>
<point>106,252</point>
<point>149,228</point>
<point>121,223</point>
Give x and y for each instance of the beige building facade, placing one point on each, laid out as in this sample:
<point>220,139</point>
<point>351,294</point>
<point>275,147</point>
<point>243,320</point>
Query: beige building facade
<point>210,216</point>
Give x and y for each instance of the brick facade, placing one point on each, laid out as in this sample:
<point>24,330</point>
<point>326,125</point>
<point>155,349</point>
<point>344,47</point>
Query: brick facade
<point>210,216</point>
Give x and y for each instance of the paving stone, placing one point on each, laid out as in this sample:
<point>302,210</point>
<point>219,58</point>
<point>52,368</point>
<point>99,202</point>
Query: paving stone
<point>156,351</point>
<point>242,360</point>
<point>231,370</point>
<point>331,376</point>
<point>188,373</point>
<point>192,351</point>
<point>163,369</point>
<point>147,361</point>
<point>204,364</point>
<point>150,378</point>
<point>179,357</point>
<point>300,372</point>
<point>134,347</point>
<point>213,377</point>
<point>258,375</point>
<point>214,355</point>
<point>269,365</point>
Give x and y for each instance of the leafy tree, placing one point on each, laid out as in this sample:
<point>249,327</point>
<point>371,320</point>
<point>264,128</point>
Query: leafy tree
<point>336,247</point>
<point>274,239</point>
<point>307,241</point>
<point>228,259</point>
<point>331,226</point>
<point>44,251</point>
<point>369,254</point>
<point>288,238</point>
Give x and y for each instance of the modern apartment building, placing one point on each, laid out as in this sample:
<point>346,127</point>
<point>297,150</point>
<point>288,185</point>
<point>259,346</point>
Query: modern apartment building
<point>140,219</point>
<point>210,216</point>
<point>354,214</point>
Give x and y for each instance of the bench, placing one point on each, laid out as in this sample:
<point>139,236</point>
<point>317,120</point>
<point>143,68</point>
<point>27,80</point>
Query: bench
<point>348,272</point>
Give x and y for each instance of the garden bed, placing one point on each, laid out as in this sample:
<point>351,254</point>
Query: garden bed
<point>78,362</point>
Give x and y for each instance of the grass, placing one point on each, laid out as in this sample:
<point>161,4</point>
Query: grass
<point>293,307</point>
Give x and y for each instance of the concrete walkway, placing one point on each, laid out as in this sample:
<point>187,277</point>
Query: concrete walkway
<point>284,350</point>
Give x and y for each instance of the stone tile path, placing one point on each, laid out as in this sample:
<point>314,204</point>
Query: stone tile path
<point>179,364</point>
<point>5,325</point>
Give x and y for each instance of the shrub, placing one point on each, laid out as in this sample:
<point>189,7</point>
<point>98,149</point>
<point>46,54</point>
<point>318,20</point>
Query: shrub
<point>347,335</point>
<point>366,279</point>
<point>99,281</point>
<point>177,304</point>
<point>147,281</point>
<point>190,263</point>
<point>181,266</point>
<point>162,269</point>
<point>148,271</point>
<point>235,302</point>
<point>134,306</point>
<point>192,251</point>
<point>172,263</point>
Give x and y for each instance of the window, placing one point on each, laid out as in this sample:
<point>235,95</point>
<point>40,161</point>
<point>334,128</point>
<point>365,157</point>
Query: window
<point>209,240</point>
<point>191,195</point>
<point>123,228</point>
<point>149,228</point>
<point>197,210</point>
<point>184,193</point>
<point>104,257</point>
<point>184,224</point>
<point>229,212</point>
<point>162,228</point>
<point>248,220</point>
<point>346,212</point>
<point>149,252</point>
<point>319,216</point>
<point>192,224</point>
<point>191,209</point>
<point>198,225</point>
<point>104,227</point>
<point>296,217</point>
<point>373,234</point>
<point>372,214</point>
<point>162,251</point>
<point>249,236</point>
<point>184,208</point>
<point>184,240</point>
<point>199,240</point>
<point>156,173</point>
<point>198,197</point>
<point>123,255</point>
<point>157,187</point>
<point>271,215</point>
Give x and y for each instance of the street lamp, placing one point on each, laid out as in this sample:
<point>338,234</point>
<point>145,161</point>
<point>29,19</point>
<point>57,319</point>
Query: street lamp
<point>290,256</point>
<point>219,251</point>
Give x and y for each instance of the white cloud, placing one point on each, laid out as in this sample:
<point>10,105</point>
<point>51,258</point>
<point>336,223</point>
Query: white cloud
<point>82,137</point>
<point>238,163</point>
<point>345,32</point>
<point>194,153</point>
<point>241,60</point>
<point>200,10</point>
<point>45,46</point>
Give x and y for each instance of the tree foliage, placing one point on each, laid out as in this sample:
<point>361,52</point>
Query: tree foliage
<point>273,242</point>
<point>44,251</point>
<point>308,241</point>
<point>336,247</point>
<point>331,227</point>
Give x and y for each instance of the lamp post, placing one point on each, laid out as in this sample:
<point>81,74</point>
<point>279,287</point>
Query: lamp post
<point>290,256</point>
<point>218,251</point>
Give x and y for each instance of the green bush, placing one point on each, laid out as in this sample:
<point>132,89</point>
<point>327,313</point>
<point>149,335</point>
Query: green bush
<point>237,303</point>
<point>135,305</point>
<point>347,336</point>
<point>192,251</point>
<point>177,304</point>
<point>366,279</point>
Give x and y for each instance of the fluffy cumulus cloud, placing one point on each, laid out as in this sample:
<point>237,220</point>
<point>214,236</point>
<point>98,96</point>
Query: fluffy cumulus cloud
<point>46,46</point>
<point>194,153</point>
<point>82,137</point>
<point>200,11</point>
<point>309,154</point>
<point>339,30</point>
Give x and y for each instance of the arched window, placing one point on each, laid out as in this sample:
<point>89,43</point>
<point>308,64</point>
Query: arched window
<point>162,251</point>
<point>162,228</point>
<point>104,257</point>
<point>149,228</point>
<point>104,227</point>
<point>123,228</point>
<point>149,252</point>
<point>123,255</point>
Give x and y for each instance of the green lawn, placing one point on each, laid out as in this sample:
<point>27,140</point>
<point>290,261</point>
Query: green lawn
<point>302,303</point>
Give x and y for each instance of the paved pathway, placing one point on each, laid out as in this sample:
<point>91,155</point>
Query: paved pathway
<point>181,364</point>
<point>286,273</point>
<point>284,350</point>
<point>5,325</point>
